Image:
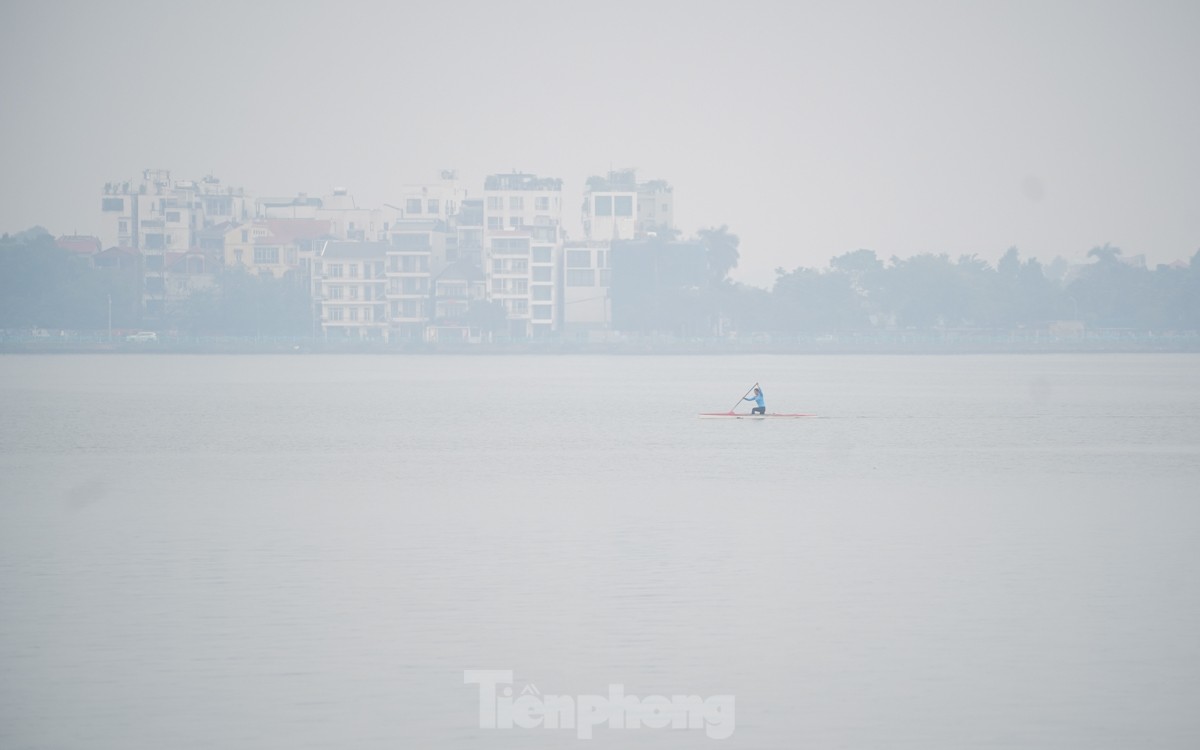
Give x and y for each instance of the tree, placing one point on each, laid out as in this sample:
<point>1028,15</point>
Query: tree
<point>921,292</point>
<point>45,286</point>
<point>809,301</point>
<point>722,249</point>
<point>1108,292</point>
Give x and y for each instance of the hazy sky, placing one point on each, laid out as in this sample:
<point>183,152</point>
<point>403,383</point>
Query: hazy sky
<point>811,129</point>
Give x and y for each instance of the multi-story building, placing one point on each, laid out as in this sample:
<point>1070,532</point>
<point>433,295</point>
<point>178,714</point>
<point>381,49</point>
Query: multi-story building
<point>158,217</point>
<point>466,241</point>
<point>456,289</point>
<point>280,247</point>
<point>618,207</point>
<point>656,209</point>
<point>586,280</point>
<point>349,289</point>
<point>522,243</point>
<point>346,220</point>
<point>439,200</point>
<point>416,251</point>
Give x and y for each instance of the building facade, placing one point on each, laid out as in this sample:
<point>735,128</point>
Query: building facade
<point>349,286</point>
<point>522,245</point>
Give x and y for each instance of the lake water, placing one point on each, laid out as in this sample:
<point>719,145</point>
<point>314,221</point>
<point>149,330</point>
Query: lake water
<point>308,551</point>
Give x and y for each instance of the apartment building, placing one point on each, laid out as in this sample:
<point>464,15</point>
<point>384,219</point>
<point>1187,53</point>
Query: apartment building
<point>347,221</point>
<point>465,242</point>
<point>586,282</point>
<point>416,251</point>
<point>279,247</point>
<point>522,243</point>
<point>157,214</point>
<point>618,207</point>
<point>349,289</point>
<point>458,287</point>
<point>162,218</point>
<point>439,200</point>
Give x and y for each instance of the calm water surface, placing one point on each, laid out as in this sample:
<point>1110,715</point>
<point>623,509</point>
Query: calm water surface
<point>307,552</point>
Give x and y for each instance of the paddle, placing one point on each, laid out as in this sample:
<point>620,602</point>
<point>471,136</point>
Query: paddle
<point>743,398</point>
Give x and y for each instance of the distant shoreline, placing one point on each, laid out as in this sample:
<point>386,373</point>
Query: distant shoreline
<point>897,344</point>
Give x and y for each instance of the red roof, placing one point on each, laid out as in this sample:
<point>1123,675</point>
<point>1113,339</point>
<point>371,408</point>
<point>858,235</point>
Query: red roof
<point>82,244</point>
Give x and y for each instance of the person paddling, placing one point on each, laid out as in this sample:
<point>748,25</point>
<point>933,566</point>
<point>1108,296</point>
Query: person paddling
<point>757,398</point>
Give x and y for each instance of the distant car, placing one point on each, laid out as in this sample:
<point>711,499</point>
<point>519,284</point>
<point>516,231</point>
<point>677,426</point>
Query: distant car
<point>142,336</point>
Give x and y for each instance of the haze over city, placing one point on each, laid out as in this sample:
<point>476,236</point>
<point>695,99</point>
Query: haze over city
<point>809,129</point>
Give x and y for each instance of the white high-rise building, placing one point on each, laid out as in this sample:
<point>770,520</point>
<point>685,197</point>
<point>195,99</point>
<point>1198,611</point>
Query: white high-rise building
<point>416,253</point>
<point>438,200</point>
<point>522,248</point>
<point>618,207</point>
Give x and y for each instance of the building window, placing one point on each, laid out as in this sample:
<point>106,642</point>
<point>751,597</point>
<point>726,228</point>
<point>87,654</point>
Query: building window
<point>514,222</point>
<point>354,270</point>
<point>291,256</point>
<point>520,307</point>
<point>541,273</point>
<point>579,259</point>
<point>413,205</point>
<point>266,255</point>
<point>520,286</point>
<point>623,205</point>
<point>237,255</point>
<point>432,206</point>
<point>335,270</point>
<point>173,216</point>
<point>353,292</point>
<point>542,292</point>
<point>603,205</point>
<point>542,312</point>
<point>245,235</point>
<point>541,203</point>
<point>542,254</point>
<point>516,203</point>
<point>335,292</point>
<point>123,226</point>
<point>581,277</point>
<point>520,266</point>
<point>354,313</point>
<point>495,222</point>
<point>495,203</point>
<point>511,245</point>
<point>112,204</point>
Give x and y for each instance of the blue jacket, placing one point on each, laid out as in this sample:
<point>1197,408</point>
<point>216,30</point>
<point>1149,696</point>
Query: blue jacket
<point>757,399</point>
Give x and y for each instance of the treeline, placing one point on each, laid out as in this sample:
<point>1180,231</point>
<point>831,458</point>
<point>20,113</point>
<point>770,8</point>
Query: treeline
<point>45,286</point>
<point>859,291</point>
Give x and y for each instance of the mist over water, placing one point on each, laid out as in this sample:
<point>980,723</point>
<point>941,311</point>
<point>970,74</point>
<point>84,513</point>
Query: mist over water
<point>305,551</point>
